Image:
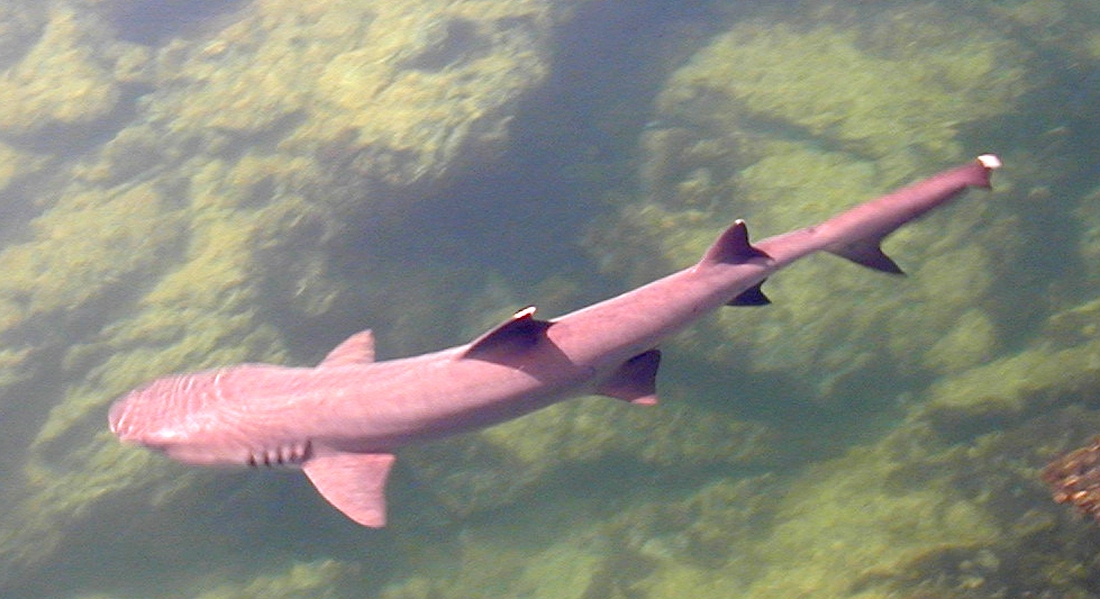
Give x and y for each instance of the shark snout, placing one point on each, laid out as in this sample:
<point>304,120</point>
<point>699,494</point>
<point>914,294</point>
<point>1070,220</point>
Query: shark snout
<point>127,423</point>
<point>117,417</point>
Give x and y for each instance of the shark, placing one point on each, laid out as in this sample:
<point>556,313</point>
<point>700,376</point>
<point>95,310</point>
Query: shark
<point>341,421</point>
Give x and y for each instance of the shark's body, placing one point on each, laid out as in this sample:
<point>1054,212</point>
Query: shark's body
<point>341,420</point>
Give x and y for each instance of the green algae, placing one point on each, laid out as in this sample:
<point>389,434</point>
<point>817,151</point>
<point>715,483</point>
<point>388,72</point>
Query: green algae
<point>87,243</point>
<point>321,579</point>
<point>506,463</point>
<point>353,82</point>
<point>906,514</point>
<point>970,343</point>
<point>846,523</point>
<point>1067,26</point>
<point>60,81</point>
<point>821,81</point>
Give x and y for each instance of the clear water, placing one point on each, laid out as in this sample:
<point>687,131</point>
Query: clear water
<point>186,184</point>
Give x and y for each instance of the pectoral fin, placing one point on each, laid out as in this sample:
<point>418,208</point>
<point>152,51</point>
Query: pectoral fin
<point>635,381</point>
<point>355,483</point>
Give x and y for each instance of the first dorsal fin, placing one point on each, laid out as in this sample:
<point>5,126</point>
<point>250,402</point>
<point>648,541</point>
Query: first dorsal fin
<point>732,246</point>
<point>516,334</point>
<point>357,349</point>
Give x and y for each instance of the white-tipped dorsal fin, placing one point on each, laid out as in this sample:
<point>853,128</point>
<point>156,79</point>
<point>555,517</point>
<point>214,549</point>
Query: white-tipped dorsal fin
<point>354,483</point>
<point>357,349</point>
<point>503,341</point>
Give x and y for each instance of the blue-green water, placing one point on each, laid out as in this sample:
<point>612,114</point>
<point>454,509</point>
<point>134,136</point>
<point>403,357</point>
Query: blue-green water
<point>191,183</point>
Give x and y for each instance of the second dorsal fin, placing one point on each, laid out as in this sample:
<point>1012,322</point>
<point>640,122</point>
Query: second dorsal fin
<point>520,332</point>
<point>732,246</point>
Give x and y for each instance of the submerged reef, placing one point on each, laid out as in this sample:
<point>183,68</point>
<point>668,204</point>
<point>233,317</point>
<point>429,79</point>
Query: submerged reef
<point>849,88</point>
<point>60,84</point>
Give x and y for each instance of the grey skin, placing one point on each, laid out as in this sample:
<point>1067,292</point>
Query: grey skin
<point>341,420</point>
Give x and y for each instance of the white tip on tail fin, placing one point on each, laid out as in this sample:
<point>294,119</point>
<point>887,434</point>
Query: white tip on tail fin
<point>355,483</point>
<point>990,161</point>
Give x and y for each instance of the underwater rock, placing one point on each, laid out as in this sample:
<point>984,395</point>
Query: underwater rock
<point>847,518</point>
<point>1015,387</point>
<point>505,464</point>
<point>59,84</point>
<point>1088,250</point>
<point>770,80</point>
<point>1066,26</point>
<point>321,579</point>
<point>971,343</point>
<point>360,95</point>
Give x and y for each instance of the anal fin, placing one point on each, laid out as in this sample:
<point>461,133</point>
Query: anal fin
<point>867,253</point>
<point>635,381</point>
<point>753,296</point>
<point>354,483</point>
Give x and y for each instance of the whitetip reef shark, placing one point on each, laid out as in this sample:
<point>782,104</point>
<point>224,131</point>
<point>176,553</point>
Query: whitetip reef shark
<point>341,420</point>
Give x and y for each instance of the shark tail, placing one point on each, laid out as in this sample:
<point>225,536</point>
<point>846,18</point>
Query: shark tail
<point>855,234</point>
<point>862,229</point>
